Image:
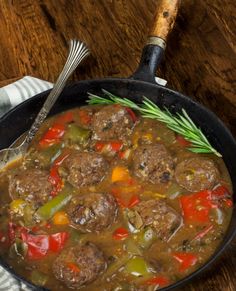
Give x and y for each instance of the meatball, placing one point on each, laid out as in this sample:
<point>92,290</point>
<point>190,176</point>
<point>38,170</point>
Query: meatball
<point>197,174</point>
<point>85,168</point>
<point>92,212</point>
<point>88,259</point>
<point>157,214</point>
<point>112,122</point>
<point>31,185</point>
<point>153,163</point>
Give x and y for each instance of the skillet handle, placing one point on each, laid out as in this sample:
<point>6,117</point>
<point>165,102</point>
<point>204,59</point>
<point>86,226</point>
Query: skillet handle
<point>163,23</point>
<point>152,53</point>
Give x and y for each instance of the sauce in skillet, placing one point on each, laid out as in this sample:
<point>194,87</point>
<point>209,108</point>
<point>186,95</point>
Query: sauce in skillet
<point>107,200</point>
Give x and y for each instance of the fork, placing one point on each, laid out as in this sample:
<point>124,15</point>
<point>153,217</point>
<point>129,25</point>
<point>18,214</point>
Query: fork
<point>77,52</point>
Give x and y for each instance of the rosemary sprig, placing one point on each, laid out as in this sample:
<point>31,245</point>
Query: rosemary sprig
<point>112,99</point>
<point>180,123</point>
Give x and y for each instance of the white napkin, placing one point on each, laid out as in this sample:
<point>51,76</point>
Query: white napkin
<point>15,93</point>
<point>10,96</point>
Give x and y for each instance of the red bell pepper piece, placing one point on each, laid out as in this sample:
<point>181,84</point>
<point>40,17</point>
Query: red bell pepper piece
<point>182,141</point>
<point>186,260</point>
<point>123,200</point>
<point>196,207</point>
<point>120,233</point>
<point>64,118</point>
<point>220,192</point>
<point>40,245</point>
<point>99,146</point>
<point>73,267</point>
<point>52,135</point>
<point>57,241</point>
<point>114,146</point>
<point>159,281</point>
<point>85,117</point>
<point>54,177</point>
<point>132,114</point>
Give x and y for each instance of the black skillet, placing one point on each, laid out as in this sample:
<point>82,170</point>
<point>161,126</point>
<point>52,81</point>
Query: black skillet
<point>142,83</point>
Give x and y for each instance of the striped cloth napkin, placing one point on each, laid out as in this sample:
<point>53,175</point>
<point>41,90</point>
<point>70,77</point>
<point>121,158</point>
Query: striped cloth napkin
<point>10,96</point>
<point>15,93</point>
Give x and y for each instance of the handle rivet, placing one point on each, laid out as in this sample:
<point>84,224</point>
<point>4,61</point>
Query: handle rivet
<point>165,14</point>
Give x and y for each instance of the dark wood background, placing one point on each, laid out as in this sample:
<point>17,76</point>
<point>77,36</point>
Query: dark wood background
<point>200,59</point>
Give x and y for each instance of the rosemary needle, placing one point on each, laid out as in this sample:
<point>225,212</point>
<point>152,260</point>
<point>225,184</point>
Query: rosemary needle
<point>180,123</point>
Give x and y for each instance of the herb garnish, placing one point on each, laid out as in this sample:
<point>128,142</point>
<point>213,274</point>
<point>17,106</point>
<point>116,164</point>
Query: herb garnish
<point>180,123</point>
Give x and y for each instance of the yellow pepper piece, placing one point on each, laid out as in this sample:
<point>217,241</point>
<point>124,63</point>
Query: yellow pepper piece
<point>17,206</point>
<point>120,173</point>
<point>60,218</point>
<point>158,195</point>
<point>148,136</point>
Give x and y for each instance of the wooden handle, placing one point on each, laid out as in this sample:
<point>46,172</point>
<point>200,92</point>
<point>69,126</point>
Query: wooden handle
<point>164,20</point>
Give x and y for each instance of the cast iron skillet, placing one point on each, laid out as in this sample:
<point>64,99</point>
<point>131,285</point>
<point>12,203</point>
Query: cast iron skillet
<point>142,83</point>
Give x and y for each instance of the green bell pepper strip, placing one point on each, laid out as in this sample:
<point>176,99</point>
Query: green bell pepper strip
<point>77,134</point>
<point>49,153</point>
<point>18,249</point>
<point>47,211</point>
<point>137,267</point>
<point>146,237</point>
<point>39,278</point>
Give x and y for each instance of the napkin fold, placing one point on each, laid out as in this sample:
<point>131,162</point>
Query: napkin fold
<point>10,96</point>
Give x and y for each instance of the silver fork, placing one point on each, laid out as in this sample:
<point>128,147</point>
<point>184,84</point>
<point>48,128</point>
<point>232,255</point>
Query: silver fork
<point>77,52</point>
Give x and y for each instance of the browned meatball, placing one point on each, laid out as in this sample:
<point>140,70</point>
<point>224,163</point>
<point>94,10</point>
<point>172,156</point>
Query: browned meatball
<point>197,174</point>
<point>92,212</point>
<point>31,185</point>
<point>112,122</point>
<point>157,214</point>
<point>153,163</point>
<point>79,265</point>
<point>85,168</point>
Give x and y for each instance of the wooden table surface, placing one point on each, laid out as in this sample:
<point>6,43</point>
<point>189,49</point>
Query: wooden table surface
<point>200,59</point>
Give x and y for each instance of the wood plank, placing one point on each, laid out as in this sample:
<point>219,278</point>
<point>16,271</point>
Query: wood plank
<point>200,59</point>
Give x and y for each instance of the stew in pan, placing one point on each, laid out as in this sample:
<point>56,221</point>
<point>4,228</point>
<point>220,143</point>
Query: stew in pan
<point>105,197</point>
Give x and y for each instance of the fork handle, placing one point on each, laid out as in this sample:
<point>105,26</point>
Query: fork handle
<point>77,52</point>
